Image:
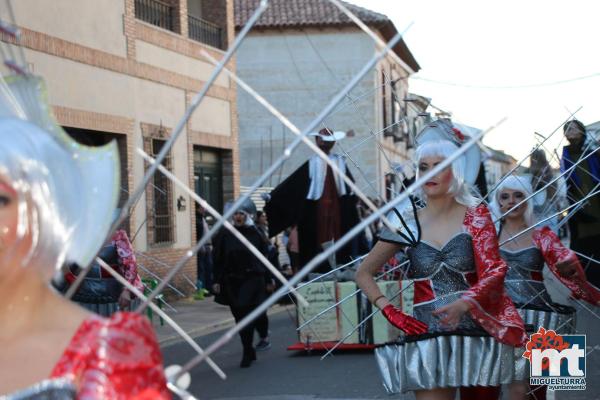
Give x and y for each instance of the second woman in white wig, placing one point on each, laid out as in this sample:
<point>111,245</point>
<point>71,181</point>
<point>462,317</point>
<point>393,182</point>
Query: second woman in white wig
<point>526,252</point>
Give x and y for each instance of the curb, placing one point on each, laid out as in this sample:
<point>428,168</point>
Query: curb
<point>215,327</point>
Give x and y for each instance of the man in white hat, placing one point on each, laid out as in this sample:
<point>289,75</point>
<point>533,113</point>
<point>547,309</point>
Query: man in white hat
<point>318,201</point>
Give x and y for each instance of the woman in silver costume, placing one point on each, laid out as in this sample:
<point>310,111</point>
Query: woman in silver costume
<point>526,255</point>
<point>464,327</point>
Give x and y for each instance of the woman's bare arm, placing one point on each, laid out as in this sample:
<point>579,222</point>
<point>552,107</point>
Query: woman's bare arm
<point>378,256</point>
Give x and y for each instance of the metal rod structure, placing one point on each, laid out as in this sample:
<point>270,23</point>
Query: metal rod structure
<point>323,256</point>
<point>582,304</point>
<point>164,264</point>
<point>188,113</point>
<point>75,285</point>
<point>260,256</point>
<point>380,43</point>
<point>286,154</point>
<point>574,210</point>
<point>368,317</point>
<point>549,218</point>
<point>315,333</point>
<point>188,280</point>
<point>162,314</point>
<point>544,187</point>
<point>330,272</point>
<point>375,134</point>
<point>132,201</point>
<point>164,302</point>
<point>347,297</point>
<point>296,131</point>
<point>591,259</point>
<point>342,301</point>
<point>525,158</point>
<point>386,82</point>
<point>182,393</point>
<point>554,153</point>
<point>146,270</point>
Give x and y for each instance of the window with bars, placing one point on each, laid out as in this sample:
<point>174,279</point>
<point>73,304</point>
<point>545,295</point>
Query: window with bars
<point>160,219</point>
<point>156,12</point>
<point>205,31</point>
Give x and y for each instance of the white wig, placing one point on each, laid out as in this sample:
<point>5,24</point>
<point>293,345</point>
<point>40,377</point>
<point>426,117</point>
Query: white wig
<point>461,190</point>
<point>65,221</point>
<point>25,165</point>
<point>514,182</point>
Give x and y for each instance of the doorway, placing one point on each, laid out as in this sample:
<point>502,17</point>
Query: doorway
<point>208,177</point>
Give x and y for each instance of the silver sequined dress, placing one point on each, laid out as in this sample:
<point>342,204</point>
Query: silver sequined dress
<point>524,284</point>
<point>443,357</point>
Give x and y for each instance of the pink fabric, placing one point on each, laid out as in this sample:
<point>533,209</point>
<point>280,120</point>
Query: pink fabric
<point>114,358</point>
<point>127,262</point>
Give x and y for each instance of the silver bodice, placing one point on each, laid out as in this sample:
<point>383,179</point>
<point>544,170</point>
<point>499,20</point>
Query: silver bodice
<point>524,282</point>
<point>445,267</point>
<point>445,270</point>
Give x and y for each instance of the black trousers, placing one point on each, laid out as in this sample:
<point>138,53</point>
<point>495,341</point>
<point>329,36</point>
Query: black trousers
<point>260,324</point>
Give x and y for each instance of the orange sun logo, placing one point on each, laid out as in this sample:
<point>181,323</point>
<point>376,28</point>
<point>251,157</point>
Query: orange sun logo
<point>542,340</point>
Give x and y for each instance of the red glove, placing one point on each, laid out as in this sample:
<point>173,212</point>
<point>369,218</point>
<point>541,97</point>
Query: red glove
<point>403,321</point>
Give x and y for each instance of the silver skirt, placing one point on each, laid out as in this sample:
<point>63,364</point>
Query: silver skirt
<point>561,323</point>
<point>445,361</point>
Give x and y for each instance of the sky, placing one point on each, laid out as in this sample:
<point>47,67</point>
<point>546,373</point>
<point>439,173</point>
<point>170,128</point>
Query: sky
<point>502,44</point>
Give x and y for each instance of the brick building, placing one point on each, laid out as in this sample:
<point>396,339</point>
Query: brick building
<point>126,70</point>
<point>298,55</point>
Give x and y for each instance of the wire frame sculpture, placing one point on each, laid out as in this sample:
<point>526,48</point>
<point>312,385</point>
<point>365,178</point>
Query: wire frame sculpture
<point>14,60</point>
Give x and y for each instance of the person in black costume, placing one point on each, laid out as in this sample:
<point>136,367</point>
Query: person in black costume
<point>318,201</point>
<point>584,225</point>
<point>241,280</point>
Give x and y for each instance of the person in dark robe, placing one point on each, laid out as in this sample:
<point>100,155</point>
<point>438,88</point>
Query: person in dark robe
<point>240,279</point>
<point>319,202</point>
<point>584,224</point>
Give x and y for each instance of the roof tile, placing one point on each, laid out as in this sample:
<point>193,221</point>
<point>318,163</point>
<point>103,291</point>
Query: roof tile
<point>288,13</point>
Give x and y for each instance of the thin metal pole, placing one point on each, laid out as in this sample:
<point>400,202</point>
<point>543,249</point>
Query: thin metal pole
<point>227,225</point>
<point>549,218</point>
<point>323,256</point>
<point>131,202</point>
<point>543,188</point>
<point>161,313</point>
<point>525,158</point>
<point>286,154</point>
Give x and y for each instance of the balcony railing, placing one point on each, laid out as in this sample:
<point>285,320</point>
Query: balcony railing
<point>205,32</point>
<point>156,13</point>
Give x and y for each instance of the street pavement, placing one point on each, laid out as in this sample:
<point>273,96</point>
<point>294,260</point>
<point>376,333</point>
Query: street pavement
<point>281,374</point>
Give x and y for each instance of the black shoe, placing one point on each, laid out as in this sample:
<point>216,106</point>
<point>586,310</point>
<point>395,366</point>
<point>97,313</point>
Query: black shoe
<point>263,345</point>
<point>247,358</point>
<point>246,361</point>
